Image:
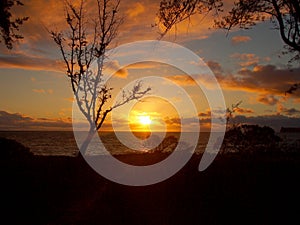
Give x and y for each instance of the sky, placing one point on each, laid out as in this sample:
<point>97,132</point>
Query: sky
<point>35,93</point>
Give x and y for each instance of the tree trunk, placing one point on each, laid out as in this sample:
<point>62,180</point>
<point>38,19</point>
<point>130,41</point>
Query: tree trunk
<point>87,141</point>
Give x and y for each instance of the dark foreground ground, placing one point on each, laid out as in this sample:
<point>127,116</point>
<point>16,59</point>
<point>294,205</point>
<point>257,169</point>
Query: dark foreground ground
<point>235,189</point>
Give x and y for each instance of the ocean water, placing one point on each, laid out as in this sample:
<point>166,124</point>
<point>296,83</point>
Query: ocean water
<point>63,142</point>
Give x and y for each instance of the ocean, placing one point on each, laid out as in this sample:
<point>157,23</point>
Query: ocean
<point>62,143</point>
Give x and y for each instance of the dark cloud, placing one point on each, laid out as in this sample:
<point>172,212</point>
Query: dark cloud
<point>22,61</point>
<point>16,121</point>
<point>268,99</point>
<point>265,80</point>
<point>274,121</point>
<point>291,112</point>
<point>215,67</point>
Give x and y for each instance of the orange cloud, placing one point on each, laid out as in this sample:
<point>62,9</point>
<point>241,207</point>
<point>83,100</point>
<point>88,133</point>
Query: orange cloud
<point>136,10</point>
<point>249,59</point>
<point>40,91</point>
<point>207,113</point>
<point>122,73</point>
<point>43,91</point>
<point>65,112</point>
<point>113,66</point>
<point>183,80</point>
<point>37,51</point>
<point>244,111</point>
<point>22,61</point>
<point>240,39</point>
<point>246,60</point>
<point>142,65</point>
<point>69,99</point>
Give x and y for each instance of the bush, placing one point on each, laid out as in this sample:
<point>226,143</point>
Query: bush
<point>249,139</point>
<point>11,149</point>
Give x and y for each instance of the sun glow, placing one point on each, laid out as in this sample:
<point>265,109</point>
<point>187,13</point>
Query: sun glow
<point>144,120</point>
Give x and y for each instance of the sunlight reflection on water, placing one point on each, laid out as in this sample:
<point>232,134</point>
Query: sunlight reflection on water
<point>63,142</point>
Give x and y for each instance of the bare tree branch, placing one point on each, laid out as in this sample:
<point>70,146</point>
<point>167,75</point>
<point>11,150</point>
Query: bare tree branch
<point>230,111</point>
<point>243,14</point>
<point>172,12</point>
<point>84,43</point>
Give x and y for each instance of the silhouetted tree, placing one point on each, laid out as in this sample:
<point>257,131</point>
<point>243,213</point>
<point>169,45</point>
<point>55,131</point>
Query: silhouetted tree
<point>172,12</point>
<point>81,45</point>
<point>285,14</point>
<point>8,26</point>
<point>245,138</point>
<point>243,14</point>
<point>231,111</point>
<point>250,139</point>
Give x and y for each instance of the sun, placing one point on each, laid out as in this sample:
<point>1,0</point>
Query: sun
<point>144,120</point>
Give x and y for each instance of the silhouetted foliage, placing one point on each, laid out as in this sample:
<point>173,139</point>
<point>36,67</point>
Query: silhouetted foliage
<point>243,14</point>
<point>293,89</point>
<point>172,12</point>
<point>85,41</point>
<point>245,138</point>
<point>250,139</point>
<point>11,149</point>
<point>285,14</point>
<point>168,144</point>
<point>231,111</point>
<point>8,26</point>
